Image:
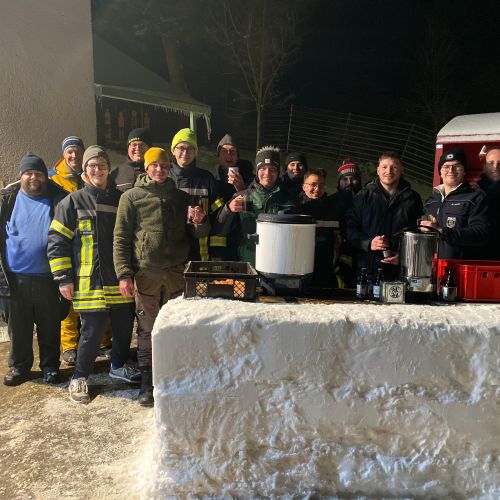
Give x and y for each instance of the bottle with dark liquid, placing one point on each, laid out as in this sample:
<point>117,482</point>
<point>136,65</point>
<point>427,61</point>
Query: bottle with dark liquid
<point>377,285</point>
<point>448,287</point>
<point>362,285</point>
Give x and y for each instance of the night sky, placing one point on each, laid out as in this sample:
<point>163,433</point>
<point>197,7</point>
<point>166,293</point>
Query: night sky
<point>357,56</point>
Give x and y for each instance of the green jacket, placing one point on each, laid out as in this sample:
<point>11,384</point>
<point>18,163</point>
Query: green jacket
<point>264,201</point>
<point>151,232</point>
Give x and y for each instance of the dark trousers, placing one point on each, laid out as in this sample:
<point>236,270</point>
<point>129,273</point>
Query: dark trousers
<point>94,325</point>
<point>152,291</point>
<point>34,300</point>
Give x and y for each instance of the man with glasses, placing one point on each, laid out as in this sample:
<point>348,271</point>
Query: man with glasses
<point>201,185</point>
<point>490,184</point>
<point>138,142</point>
<point>457,211</point>
<point>151,246</point>
<point>80,251</point>
<point>314,201</point>
<point>234,175</point>
<point>67,174</point>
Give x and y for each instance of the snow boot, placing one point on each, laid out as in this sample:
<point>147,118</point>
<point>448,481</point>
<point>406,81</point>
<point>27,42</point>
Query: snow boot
<point>146,391</point>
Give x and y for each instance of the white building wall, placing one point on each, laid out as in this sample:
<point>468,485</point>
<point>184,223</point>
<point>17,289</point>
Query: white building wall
<point>46,79</point>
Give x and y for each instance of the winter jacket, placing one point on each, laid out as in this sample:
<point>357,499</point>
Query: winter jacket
<point>63,176</point>
<point>126,174</point>
<point>492,191</point>
<point>291,186</point>
<point>245,169</point>
<point>374,213</point>
<point>228,191</point>
<point>244,223</point>
<point>203,187</point>
<point>151,232</point>
<point>8,197</point>
<point>80,247</point>
<point>327,228</point>
<point>463,216</point>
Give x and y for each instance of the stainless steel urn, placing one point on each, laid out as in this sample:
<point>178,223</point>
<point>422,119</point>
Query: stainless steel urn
<point>418,257</point>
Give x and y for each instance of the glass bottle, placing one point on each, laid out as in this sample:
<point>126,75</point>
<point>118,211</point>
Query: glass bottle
<point>377,285</point>
<point>362,285</point>
<point>448,287</point>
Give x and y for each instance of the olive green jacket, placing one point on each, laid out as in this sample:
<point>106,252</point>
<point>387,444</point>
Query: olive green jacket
<point>151,232</point>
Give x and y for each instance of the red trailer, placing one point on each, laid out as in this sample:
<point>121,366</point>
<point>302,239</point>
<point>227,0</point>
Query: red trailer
<point>471,133</point>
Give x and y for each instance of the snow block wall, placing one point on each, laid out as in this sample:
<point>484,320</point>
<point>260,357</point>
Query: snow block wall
<point>47,79</point>
<point>343,399</point>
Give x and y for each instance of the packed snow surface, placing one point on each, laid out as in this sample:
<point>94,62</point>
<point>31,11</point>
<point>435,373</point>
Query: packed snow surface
<point>281,400</point>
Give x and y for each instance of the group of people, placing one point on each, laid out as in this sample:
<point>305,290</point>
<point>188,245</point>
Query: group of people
<point>86,250</point>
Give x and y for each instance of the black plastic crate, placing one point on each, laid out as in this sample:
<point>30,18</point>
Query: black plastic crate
<point>224,279</point>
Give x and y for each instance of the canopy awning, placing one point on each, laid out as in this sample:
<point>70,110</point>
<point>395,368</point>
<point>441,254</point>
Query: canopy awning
<point>118,76</point>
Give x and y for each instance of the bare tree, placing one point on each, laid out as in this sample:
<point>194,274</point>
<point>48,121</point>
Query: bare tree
<point>260,38</point>
<point>436,96</point>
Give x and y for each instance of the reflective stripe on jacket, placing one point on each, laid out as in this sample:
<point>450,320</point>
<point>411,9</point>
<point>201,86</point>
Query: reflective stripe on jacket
<point>80,247</point>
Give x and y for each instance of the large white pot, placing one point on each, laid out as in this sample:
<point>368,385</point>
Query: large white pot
<point>285,244</point>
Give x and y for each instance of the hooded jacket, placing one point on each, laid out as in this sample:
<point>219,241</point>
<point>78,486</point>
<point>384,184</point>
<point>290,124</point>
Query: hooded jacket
<point>462,214</point>
<point>374,213</point>
<point>63,176</point>
<point>151,232</point>
<point>80,247</point>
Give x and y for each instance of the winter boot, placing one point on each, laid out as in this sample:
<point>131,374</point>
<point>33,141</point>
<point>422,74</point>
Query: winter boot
<point>146,391</point>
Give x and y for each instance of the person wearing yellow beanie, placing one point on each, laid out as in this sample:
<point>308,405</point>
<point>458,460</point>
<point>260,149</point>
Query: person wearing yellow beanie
<point>155,155</point>
<point>204,191</point>
<point>184,135</point>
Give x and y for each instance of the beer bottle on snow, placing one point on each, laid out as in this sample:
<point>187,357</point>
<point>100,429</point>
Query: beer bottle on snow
<point>448,287</point>
<point>377,285</point>
<point>362,285</point>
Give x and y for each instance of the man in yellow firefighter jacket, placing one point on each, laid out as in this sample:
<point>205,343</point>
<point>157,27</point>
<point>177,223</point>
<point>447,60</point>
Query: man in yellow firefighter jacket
<point>80,251</point>
<point>67,174</point>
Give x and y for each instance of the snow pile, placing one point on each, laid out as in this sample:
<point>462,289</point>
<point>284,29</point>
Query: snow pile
<point>345,399</point>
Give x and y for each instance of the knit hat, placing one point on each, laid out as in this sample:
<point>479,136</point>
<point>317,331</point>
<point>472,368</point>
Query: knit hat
<point>296,156</point>
<point>455,154</point>
<point>348,167</point>
<point>154,154</point>
<point>268,155</point>
<point>32,162</point>
<point>72,142</point>
<point>95,152</point>
<point>185,135</point>
<point>140,134</point>
<point>227,139</point>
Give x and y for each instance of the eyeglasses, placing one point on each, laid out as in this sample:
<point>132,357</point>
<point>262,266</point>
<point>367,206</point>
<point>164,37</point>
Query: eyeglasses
<point>97,166</point>
<point>181,149</point>
<point>457,166</point>
<point>315,185</point>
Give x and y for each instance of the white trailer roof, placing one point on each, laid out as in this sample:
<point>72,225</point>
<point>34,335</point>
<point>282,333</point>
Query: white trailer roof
<point>471,128</point>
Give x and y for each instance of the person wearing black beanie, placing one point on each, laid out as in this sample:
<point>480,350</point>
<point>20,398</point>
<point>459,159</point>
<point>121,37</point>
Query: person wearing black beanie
<point>138,142</point>
<point>457,210</point>
<point>26,211</point>
<point>296,167</point>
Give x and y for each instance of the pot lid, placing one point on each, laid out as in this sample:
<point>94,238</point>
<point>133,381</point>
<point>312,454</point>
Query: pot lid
<point>286,218</point>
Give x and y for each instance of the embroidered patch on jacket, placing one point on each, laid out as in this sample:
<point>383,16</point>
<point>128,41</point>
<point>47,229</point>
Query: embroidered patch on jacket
<point>451,221</point>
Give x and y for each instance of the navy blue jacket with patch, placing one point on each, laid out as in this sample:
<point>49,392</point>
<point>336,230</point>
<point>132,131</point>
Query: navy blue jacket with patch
<point>463,216</point>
